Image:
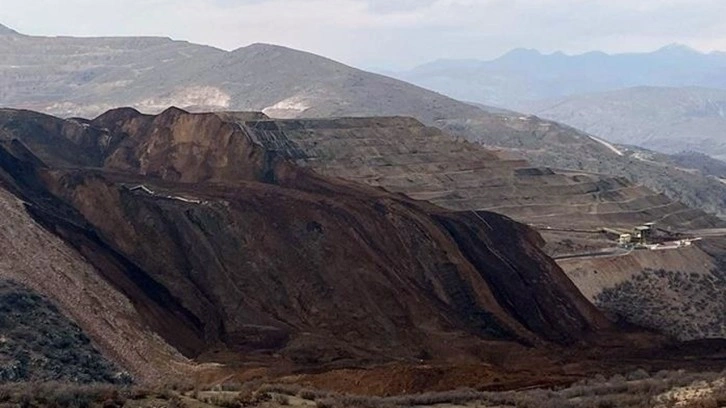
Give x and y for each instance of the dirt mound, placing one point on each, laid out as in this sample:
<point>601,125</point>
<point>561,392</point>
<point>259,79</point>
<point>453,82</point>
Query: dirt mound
<point>232,253</point>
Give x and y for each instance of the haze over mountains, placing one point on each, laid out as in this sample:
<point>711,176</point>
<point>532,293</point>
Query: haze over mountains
<point>527,75</point>
<point>669,100</point>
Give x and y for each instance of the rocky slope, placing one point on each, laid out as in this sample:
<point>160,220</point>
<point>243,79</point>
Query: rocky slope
<point>700,162</point>
<point>628,288</point>
<point>230,252</point>
<point>39,344</point>
<point>42,263</point>
<point>403,155</point>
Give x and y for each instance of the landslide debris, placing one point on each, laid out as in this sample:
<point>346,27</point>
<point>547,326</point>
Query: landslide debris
<point>228,249</point>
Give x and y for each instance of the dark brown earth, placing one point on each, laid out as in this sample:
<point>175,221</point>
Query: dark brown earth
<point>234,254</point>
<point>229,247</point>
<point>569,208</point>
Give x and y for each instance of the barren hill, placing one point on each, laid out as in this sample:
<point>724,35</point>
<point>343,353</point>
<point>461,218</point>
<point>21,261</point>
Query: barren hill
<point>230,252</point>
<point>546,143</point>
<point>570,208</point>
<point>87,76</point>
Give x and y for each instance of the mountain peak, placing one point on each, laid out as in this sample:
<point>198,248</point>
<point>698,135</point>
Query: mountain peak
<point>263,48</point>
<point>522,52</point>
<point>4,30</point>
<point>677,49</point>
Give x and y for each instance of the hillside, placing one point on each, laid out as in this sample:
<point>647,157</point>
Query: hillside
<point>207,233</point>
<point>668,120</point>
<point>73,294</point>
<point>86,76</point>
<point>569,208</point>
<point>547,143</point>
<point>40,344</point>
<point>701,162</point>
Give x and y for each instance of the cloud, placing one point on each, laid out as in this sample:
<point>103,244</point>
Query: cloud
<point>388,32</point>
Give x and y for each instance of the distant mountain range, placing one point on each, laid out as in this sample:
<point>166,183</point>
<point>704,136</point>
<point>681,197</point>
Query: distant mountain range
<point>672,99</point>
<point>527,75</point>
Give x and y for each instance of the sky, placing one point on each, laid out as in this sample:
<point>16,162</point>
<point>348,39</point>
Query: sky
<point>388,34</point>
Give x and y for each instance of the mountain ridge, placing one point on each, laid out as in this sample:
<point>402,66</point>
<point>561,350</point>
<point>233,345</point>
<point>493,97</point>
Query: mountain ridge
<point>5,30</point>
<point>525,74</point>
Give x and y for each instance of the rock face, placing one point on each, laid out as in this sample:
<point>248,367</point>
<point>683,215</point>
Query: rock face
<point>222,243</point>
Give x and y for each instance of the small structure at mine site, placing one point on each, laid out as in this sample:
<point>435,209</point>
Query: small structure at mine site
<point>642,233</point>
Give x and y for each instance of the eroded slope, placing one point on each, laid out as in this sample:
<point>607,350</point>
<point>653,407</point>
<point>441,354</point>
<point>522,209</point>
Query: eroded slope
<point>226,247</point>
<point>569,207</point>
<point>45,264</point>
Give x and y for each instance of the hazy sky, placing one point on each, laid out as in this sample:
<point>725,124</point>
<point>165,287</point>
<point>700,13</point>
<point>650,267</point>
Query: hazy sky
<point>388,33</point>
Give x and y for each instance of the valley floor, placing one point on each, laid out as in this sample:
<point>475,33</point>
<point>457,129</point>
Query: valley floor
<point>636,389</point>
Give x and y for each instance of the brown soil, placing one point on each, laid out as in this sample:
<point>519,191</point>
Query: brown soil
<point>234,254</point>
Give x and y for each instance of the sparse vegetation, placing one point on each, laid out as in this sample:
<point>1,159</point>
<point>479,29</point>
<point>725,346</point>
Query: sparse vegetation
<point>640,301</point>
<point>634,390</point>
<point>37,343</point>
